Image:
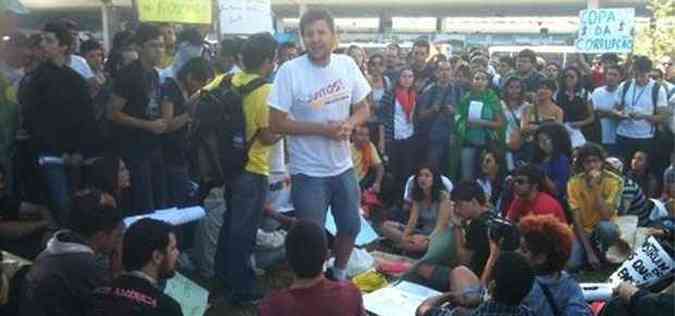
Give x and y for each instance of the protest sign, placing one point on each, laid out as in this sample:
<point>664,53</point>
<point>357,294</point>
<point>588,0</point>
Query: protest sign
<point>401,299</point>
<point>178,11</point>
<point>366,236</point>
<point>245,16</point>
<point>193,299</point>
<point>646,266</point>
<point>174,216</point>
<point>606,31</point>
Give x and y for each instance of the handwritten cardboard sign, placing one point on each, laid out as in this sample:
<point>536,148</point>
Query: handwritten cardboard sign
<point>646,266</point>
<point>245,16</point>
<point>177,11</point>
<point>606,31</point>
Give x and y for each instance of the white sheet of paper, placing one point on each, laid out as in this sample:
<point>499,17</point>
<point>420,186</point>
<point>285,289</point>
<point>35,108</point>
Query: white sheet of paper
<point>366,236</point>
<point>475,111</point>
<point>576,137</point>
<point>192,298</point>
<point>400,300</point>
<point>174,216</point>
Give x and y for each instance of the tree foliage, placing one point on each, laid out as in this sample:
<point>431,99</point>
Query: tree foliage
<point>658,38</point>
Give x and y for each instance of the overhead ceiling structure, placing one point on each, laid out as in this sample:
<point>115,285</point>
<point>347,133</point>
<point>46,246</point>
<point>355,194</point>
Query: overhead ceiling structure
<point>373,8</point>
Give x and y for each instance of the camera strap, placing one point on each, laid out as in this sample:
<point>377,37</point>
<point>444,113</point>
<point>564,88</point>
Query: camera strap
<point>549,298</point>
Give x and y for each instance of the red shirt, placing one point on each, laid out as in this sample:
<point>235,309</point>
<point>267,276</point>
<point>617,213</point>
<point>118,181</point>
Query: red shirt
<point>326,298</point>
<point>541,205</point>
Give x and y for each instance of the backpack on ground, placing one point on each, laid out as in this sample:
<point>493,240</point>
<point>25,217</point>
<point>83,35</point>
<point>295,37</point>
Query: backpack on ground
<point>218,133</point>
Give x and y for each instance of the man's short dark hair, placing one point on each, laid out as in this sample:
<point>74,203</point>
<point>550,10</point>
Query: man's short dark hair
<point>314,15</point>
<point>468,190</point>
<point>258,49</point>
<point>513,278</point>
<point>507,60</point>
<point>548,84</point>
<point>63,35</point>
<point>146,32</point>
<point>609,58</point>
<point>191,35</point>
<point>141,239</point>
<point>589,150</point>
<point>198,68</point>
<point>90,45</point>
<point>642,64</point>
<point>533,174</point>
<point>231,47</point>
<point>89,215</point>
<point>396,46</point>
<point>528,53</point>
<point>422,42</point>
<point>306,249</point>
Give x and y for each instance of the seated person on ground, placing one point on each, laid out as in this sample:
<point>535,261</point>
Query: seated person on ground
<point>547,243</point>
<point>513,281</point>
<point>22,224</point>
<point>150,254</point>
<point>64,275</point>
<point>408,193</point>
<point>311,293</point>
<point>633,199</point>
<point>593,195</point>
<point>464,243</point>
<point>367,163</point>
<point>429,213</point>
<point>532,196</point>
<point>110,175</point>
<point>631,301</point>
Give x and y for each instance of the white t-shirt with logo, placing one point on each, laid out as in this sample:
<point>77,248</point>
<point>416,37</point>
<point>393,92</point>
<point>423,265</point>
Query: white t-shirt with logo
<point>80,65</point>
<point>318,94</point>
<point>639,100</point>
<point>604,100</point>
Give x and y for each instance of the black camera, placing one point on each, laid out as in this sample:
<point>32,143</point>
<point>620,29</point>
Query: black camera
<point>504,230</point>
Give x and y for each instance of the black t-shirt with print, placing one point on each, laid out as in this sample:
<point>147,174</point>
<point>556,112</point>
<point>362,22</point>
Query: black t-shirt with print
<point>140,88</point>
<point>478,241</point>
<point>130,295</point>
<point>175,145</point>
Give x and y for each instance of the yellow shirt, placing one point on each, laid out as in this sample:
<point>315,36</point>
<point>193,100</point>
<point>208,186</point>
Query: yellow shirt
<point>359,169</point>
<point>214,83</point>
<point>582,200</point>
<point>257,117</point>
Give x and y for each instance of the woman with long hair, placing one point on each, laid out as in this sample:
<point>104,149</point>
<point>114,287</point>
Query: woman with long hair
<point>513,105</point>
<point>572,98</point>
<point>491,176</point>
<point>552,154</point>
<point>359,55</point>
<point>380,84</point>
<point>479,121</point>
<point>430,213</point>
<point>396,113</point>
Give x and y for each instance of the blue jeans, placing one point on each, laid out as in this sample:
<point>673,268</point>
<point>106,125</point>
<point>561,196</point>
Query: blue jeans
<point>148,182</point>
<point>312,196</point>
<point>245,199</point>
<point>602,237</point>
<point>58,186</point>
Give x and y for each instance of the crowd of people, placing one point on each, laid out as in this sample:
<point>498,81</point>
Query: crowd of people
<point>500,174</point>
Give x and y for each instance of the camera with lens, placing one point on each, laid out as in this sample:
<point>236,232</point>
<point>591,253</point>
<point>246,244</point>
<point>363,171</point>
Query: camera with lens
<point>504,230</point>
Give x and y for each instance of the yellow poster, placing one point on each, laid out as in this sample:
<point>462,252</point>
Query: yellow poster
<point>177,11</point>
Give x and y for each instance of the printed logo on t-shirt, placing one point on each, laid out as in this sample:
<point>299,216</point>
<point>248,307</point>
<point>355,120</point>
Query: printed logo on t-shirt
<point>334,92</point>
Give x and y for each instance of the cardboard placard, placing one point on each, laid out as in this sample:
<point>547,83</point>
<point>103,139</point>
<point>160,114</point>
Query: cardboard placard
<point>647,265</point>
<point>177,11</point>
<point>606,31</point>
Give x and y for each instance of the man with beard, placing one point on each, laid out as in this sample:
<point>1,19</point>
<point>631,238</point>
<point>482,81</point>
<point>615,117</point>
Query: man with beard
<point>150,253</point>
<point>529,186</point>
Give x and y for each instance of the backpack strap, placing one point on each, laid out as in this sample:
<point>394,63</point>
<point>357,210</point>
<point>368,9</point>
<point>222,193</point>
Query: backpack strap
<point>549,298</point>
<point>655,94</point>
<point>624,91</point>
<point>246,90</point>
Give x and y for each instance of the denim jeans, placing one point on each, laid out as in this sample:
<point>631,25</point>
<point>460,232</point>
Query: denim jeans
<point>602,237</point>
<point>56,180</point>
<point>148,182</point>
<point>245,199</point>
<point>312,196</point>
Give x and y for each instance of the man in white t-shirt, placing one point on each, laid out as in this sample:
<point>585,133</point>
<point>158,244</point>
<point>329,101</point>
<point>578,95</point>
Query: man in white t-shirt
<point>640,110</point>
<point>603,101</point>
<point>311,101</point>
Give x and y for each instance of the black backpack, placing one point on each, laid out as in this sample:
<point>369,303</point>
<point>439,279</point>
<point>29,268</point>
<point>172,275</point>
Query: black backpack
<point>218,132</point>
<point>628,84</point>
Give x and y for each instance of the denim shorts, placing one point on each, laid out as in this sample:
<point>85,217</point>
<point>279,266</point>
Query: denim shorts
<point>313,196</point>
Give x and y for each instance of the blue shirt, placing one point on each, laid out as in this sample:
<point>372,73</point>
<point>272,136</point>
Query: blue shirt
<point>564,290</point>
